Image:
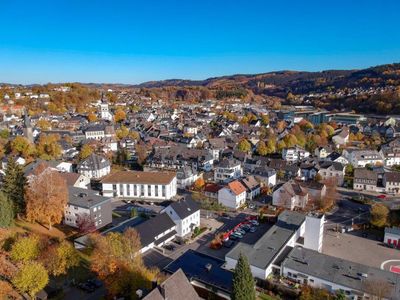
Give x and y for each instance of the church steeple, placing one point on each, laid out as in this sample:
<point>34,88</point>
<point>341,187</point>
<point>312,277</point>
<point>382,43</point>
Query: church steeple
<point>28,127</point>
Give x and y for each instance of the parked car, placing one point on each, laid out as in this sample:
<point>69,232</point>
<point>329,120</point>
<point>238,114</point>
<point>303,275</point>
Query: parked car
<point>252,206</point>
<point>381,196</point>
<point>241,231</point>
<point>254,222</point>
<point>233,237</point>
<point>169,247</point>
<point>228,243</point>
<point>245,228</point>
<point>253,229</point>
<point>237,234</point>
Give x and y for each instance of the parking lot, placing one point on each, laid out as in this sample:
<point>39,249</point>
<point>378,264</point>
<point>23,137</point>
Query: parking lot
<point>358,246</point>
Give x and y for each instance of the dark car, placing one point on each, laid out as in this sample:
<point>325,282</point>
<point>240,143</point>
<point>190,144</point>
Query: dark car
<point>86,287</point>
<point>94,283</point>
<point>227,244</point>
<point>233,237</point>
<point>169,247</point>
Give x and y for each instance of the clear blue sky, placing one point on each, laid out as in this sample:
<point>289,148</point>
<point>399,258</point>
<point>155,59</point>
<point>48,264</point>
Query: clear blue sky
<point>132,41</point>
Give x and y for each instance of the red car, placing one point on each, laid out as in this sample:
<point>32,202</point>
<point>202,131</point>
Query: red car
<point>381,196</point>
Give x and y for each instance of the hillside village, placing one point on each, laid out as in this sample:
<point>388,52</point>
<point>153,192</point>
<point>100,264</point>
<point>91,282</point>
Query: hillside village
<point>306,194</point>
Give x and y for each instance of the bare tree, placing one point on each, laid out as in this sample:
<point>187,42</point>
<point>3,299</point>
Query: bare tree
<point>378,289</point>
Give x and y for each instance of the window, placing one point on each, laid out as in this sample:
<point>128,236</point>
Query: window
<point>128,190</point>
<point>149,190</point>
<point>142,190</point>
<point>163,190</point>
<point>135,190</point>
<point>114,187</point>
<point>156,190</point>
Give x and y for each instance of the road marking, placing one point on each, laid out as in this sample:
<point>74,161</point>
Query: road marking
<point>395,269</point>
<point>389,261</point>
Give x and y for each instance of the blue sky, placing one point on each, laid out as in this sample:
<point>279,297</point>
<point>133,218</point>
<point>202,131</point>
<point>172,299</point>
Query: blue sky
<point>130,41</point>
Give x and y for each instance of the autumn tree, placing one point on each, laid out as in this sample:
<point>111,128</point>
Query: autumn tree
<point>92,117</point>
<point>85,152</point>
<point>6,211</point>
<point>379,215</point>
<point>122,132</point>
<point>21,146</point>
<point>199,183</point>
<point>379,289</point>
<point>48,147</point>
<point>119,116</point>
<point>117,261</point>
<point>244,146</point>
<point>43,124</point>
<point>265,119</point>
<point>59,258</point>
<point>331,195</point>
<point>31,278</point>
<point>13,186</point>
<point>25,249</point>
<point>262,148</point>
<point>46,197</point>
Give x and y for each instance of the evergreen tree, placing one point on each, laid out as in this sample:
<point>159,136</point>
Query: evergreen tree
<point>243,282</point>
<point>6,211</point>
<point>14,185</point>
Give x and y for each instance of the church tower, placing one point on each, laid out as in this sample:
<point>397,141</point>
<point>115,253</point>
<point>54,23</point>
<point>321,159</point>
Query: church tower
<point>28,132</point>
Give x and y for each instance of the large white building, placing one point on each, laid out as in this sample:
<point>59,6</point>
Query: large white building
<point>140,185</point>
<point>186,216</point>
<point>266,255</point>
<point>228,169</point>
<point>294,154</point>
<point>94,166</point>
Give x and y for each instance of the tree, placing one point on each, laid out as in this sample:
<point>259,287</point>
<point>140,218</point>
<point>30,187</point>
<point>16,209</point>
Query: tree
<point>6,211</point>
<point>92,117</point>
<point>31,278</point>
<point>265,119</point>
<point>262,148</point>
<point>25,249</point>
<point>14,184</point>
<point>244,146</point>
<point>43,124</point>
<point>46,197</point>
<point>379,215</point>
<point>117,261</point>
<point>243,286</point>
<point>21,146</point>
<point>48,147</point>
<point>85,223</point>
<point>58,259</point>
<point>331,195</point>
<point>122,132</point>
<point>85,152</point>
<point>349,170</point>
<point>199,183</point>
<point>340,295</point>
<point>119,116</point>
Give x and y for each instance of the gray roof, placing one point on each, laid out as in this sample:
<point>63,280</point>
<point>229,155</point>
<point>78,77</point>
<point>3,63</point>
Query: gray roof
<point>93,162</point>
<point>185,208</point>
<point>363,173</point>
<point>84,198</point>
<point>153,227</point>
<point>339,271</point>
<point>393,230</point>
<point>266,249</point>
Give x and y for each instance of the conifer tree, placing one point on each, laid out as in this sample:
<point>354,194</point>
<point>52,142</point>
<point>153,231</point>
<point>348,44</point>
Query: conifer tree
<point>6,211</point>
<point>243,282</point>
<point>14,185</point>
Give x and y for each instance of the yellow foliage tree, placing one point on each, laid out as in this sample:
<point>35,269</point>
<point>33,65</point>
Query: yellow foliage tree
<point>31,278</point>
<point>119,116</point>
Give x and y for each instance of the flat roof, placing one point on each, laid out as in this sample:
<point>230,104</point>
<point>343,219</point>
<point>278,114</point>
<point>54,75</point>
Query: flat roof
<point>137,177</point>
<point>339,271</point>
<point>84,197</point>
<point>194,263</point>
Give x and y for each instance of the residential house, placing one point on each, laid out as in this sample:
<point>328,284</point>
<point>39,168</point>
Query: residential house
<point>391,156</point>
<point>266,175</point>
<point>175,287</point>
<point>227,169</point>
<point>365,180</point>
<point>341,137</point>
<point>186,176</point>
<point>361,158</point>
<point>329,169</point>
<point>211,190</point>
<point>76,180</point>
<point>94,166</point>
<point>290,195</point>
<point>253,187</point>
<point>322,152</point>
<point>159,186</point>
<point>87,207</point>
<point>294,154</point>
<point>233,195</point>
<point>391,182</point>
<point>186,215</point>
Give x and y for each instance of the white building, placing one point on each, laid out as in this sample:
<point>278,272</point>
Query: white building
<point>140,185</point>
<point>314,232</point>
<point>290,195</point>
<point>105,112</point>
<point>294,154</point>
<point>227,169</point>
<point>361,158</point>
<point>186,216</point>
<point>392,236</point>
<point>85,206</point>
<point>233,195</point>
<point>94,166</point>
<point>265,256</point>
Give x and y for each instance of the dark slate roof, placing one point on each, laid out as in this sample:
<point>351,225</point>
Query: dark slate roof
<point>266,249</point>
<point>339,271</point>
<point>194,263</point>
<point>176,287</point>
<point>392,176</point>
<point>153,227</point>
<point>93,162</point>
<point>84,198</point>
<point>363,173</point>
<point>185,208</point>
